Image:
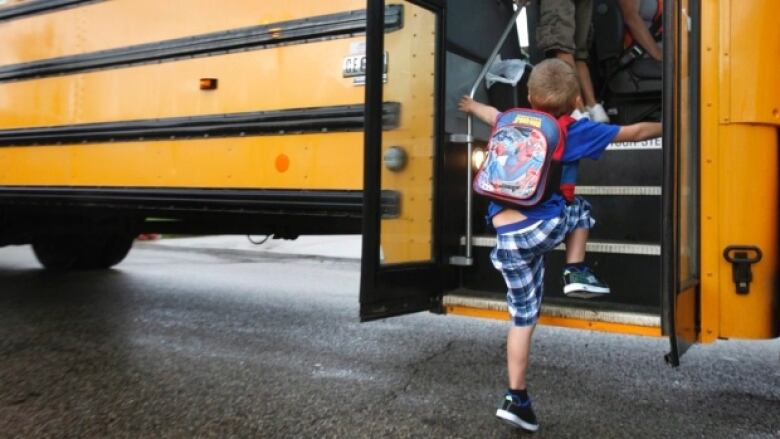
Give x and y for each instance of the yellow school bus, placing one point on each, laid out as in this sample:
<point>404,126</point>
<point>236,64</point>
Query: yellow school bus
<point>119,117</point>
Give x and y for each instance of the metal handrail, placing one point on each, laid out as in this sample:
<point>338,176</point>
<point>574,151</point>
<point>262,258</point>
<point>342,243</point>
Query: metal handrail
<point>467,259</point>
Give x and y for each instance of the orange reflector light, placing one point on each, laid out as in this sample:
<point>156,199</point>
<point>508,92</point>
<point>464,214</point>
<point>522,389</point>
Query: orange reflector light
<point>208,83</point>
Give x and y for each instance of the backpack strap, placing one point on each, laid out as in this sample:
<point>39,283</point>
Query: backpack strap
<point>563,122</point>
<point>565,189</point>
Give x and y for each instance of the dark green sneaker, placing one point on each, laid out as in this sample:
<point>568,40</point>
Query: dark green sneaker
<point>583,284</point>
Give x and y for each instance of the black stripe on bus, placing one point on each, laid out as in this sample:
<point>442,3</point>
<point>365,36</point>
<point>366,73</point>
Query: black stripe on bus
<point>306,120</point>
<point>39,7</point>
<point>340,25</point>
<point>159,199</point>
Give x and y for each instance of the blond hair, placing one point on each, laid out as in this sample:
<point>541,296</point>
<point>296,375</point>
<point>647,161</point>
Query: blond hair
<point>553,87</point>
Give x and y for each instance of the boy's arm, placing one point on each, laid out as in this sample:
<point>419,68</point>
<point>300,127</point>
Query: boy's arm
<point>483,112</point>
<point>638,131</point>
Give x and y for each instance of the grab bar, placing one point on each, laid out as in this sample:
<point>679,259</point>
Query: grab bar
<point>468,139</point>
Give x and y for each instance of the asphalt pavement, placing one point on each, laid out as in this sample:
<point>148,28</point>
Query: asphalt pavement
<point>194,340</point>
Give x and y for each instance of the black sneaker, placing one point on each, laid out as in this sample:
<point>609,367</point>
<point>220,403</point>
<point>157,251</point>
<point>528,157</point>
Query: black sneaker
<point>583,284</point>
<point>517,414</point>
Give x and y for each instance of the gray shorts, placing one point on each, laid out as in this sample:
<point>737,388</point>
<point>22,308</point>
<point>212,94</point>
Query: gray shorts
<point>565,26</point>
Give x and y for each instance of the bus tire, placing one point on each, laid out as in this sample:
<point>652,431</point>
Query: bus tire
<point>112,251</point>
<point>58,252</point>
<point>81,252</point>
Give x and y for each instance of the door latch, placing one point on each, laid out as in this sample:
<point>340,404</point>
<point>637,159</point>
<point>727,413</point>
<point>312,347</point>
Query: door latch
<point>741,258</point>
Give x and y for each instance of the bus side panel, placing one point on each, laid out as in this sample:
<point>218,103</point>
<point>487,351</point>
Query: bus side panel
<point>307,143</point>
<point>258,80</point>
<point>740,166</point>
<point>304,161</point>
<point>748,211</point>
<point>749,58</point>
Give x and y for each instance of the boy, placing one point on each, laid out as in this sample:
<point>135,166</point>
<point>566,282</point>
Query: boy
<point>525,235</point>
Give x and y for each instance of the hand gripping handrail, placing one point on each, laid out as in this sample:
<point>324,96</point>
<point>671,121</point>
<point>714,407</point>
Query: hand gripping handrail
<point>468,259</point>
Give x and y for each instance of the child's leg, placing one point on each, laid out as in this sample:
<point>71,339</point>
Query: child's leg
<point>518,346</point>
<point>582,27</point>
<point>578,279</point>
<point>566,57</point>
<point>587,95</point>
<point>523,273</point>
<point>575,246</point>
<point>583,74</point>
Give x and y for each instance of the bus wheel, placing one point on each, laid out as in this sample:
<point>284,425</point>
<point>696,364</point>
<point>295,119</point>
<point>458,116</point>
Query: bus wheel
<point>110,251</point>
<point>81,252</point>
<point>56,252</point>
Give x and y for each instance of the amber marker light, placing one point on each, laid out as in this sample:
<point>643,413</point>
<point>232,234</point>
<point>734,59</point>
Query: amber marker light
<point>208,83</point>
<point>477,157</point>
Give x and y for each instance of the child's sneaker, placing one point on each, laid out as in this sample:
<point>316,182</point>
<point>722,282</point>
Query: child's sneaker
<point>583,284</point>
<point>598,114</point>
<point>578,114</point>
<point>517,414</point>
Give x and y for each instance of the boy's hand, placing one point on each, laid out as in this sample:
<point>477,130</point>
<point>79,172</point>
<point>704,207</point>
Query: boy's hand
<point>483,112</point>
<point>467,105</point>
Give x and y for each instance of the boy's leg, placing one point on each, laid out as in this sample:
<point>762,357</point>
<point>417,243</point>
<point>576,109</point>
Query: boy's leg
<point>575,245</point>
<point>594,108</point>
<point>515,408</point>
<point>563,31</point>
<point>582,40</point>
<point>556,31</point>
<point>523,274</point>
<point>583,74</point>
<point>518,347</point>
<point>568,58</point>
<point>578,280</point>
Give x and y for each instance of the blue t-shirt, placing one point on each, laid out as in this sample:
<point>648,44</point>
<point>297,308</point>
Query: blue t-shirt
<point>585,139</point>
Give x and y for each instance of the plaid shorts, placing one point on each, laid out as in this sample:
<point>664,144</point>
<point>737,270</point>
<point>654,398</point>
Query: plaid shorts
<point>519,256</point>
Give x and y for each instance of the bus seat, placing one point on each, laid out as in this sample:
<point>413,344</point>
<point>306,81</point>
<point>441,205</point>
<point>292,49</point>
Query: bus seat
<point>647,68</point>
<point>609,30</point>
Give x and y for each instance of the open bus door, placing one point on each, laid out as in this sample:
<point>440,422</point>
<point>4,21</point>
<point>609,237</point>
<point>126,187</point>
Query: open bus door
<point>400,271</point>
<point>680,245</point>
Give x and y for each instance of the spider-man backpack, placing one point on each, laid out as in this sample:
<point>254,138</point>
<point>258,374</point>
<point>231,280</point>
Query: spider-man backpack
<point>523,164</point>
